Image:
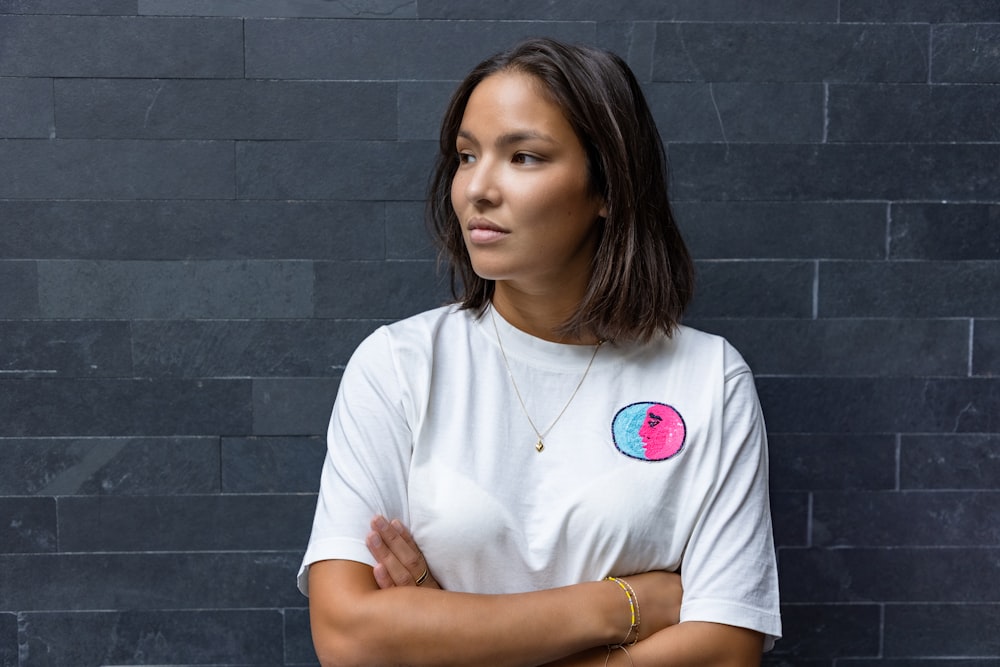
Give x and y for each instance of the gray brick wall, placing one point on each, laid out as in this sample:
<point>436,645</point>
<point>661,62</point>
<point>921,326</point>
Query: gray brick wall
<point>205,205</point>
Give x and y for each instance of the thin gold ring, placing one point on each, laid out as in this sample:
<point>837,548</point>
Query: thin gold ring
<point>422,577</point>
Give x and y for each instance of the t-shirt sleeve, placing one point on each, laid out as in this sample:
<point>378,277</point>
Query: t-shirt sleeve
<point>729,570</point>
<point>367,460</point>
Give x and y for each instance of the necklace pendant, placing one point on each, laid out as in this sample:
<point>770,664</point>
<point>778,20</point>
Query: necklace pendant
<point>539,446</point>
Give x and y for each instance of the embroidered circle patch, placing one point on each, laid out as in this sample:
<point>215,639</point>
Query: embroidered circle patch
<point>648,431</point>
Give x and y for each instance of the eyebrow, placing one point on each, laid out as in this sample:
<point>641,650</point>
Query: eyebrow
<point>512,137</point>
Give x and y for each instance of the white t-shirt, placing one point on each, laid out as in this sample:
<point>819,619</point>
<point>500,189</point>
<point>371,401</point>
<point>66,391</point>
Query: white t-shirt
<point>658,463</point>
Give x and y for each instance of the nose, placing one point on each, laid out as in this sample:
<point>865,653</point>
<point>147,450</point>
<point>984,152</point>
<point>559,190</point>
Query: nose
<point>481,186</point>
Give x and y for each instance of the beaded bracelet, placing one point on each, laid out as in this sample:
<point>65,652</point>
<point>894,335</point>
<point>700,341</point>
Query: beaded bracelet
<point>633,605</point>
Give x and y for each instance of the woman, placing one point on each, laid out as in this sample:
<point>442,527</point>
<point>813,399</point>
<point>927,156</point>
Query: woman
<point>557,425</point>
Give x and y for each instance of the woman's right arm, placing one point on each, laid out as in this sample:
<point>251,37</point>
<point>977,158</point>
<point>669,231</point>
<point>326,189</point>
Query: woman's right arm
<point>354,622</point>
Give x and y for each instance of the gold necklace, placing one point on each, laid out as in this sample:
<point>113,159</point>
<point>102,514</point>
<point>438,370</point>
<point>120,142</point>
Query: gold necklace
<point>540,445</point>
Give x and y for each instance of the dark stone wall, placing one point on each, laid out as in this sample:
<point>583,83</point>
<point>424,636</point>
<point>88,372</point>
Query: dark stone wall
<point>205,205</point>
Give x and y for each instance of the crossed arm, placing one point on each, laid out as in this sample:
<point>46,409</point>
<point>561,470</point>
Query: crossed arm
<point>377,616</point>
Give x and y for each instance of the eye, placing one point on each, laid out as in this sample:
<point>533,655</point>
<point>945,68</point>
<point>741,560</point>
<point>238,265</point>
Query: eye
<point>466,158</point>
<point>526,158</point>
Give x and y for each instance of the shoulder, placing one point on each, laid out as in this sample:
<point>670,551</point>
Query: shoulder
<point>414,338</point>
<point>708,350</point>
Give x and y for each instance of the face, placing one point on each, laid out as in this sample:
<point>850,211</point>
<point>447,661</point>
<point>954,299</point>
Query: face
<point>521,191</point>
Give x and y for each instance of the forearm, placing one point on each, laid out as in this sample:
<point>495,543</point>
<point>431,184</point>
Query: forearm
<point>355,623</point>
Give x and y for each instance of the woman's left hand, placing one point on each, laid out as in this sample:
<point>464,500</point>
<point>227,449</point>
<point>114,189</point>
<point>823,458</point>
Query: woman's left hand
<point>400,561</point>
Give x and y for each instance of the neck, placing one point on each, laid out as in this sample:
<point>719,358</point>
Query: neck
<point>538,314</point>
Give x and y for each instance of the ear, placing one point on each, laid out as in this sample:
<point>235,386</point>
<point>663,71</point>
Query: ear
<point>603,211</point>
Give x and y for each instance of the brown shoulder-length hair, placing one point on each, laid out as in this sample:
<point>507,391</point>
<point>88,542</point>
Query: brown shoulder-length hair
<point>643,276</point>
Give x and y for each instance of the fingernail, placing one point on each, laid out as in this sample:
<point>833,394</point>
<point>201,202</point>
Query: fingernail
<point>380,523</point>
<point>374,539</point>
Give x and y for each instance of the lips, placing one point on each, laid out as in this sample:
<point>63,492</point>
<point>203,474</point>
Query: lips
<point>484,231</point>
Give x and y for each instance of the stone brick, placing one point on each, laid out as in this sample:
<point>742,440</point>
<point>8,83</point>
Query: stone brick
<point>737,112</point>
<point>641,10</point>
<point>406,233</point>
<point>187,523</point>
<point>905,518</point>
<point>298,638</point>
<point>120,407</point>
<point>288,407</point>
<point>947,461</point>
<point>66,348</point>
<point>814,462</point>
<point>93,7</point>
<point>951,630</point>
<point>227,109</point>
<point>832,172</point>
<point>422,105</point>
<point>183,581</point>
<point>945,231</point>
<point>26,108</point>
<point>790,519</point>
<point>381,9</point>
<point>84,169</point>
<point>185,230</point>
<point>986,348</point>
<point>334,170</point>
<point>919,11</point>
<point>753,289</point>
<point>272,465</point>
<point>880,405</point>
<point>848,347</point>
<point>196,637</point>
<point>776,52</point>
<point>107,466</point>
<point>257,348</point>
<point>965,53</point>
<point>122,46</point>
<point>8,640</point>
<point>827,631</point>
<point>386,50</point>
<point>166,290</point>
<point>28,526</point>
<point>392,290</point>
<point>19,297</point>
<point>909,289</point>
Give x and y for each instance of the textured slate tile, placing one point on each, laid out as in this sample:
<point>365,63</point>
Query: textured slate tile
<point>753,289</point>
<point>904,574</point>
<point>919,11</point>
<point>406,235</point>
<point>949,461</point>
<point>782,230</point>
<point>912,112</point>
<point>144,289</point>
<point>272,465</point>
<point>69,349</point>
<point>828,631</point>
<point>84,169</point>
<point>922,662</point>
<point>641,10</point>
<point>94,7</point>
<point>790,52</point>
<point>298,638</point>
<point>880,405</point>
<point>153,637</point>
<point>790,518</point>
<point>634,41</point>
<point>8,640</point>
<point>965,53</point>
<point>182,581</point>
<point>26,108</point>
<point>28,525</point>
<point>848,347</point>
<point>737,112</point>
<point>814,462</point>
<point>333,170</point>
<point>909,289</point>
<point>240,348</point>
<point>421,108</point>
<point>94,407</point>
<point>945,231</point>
<point>98,46</point>
<point>93,466</point>
<point>986,347</point>
<point>905,518</point>
<point>389,290</point>
<point>19,297</point>
<point>771,660</point>
<point>228,109</point>
<point>258,522</point>
<point>286,407</point>
<point>942,630</point>
<point>136,230</point>
<point>386,50</point>
<point>953,172</point>
<point>381,9</point>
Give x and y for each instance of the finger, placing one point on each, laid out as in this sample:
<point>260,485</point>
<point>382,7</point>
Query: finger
<point>402,559</point>
<point>423,567</point>
<point>382,577</point>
